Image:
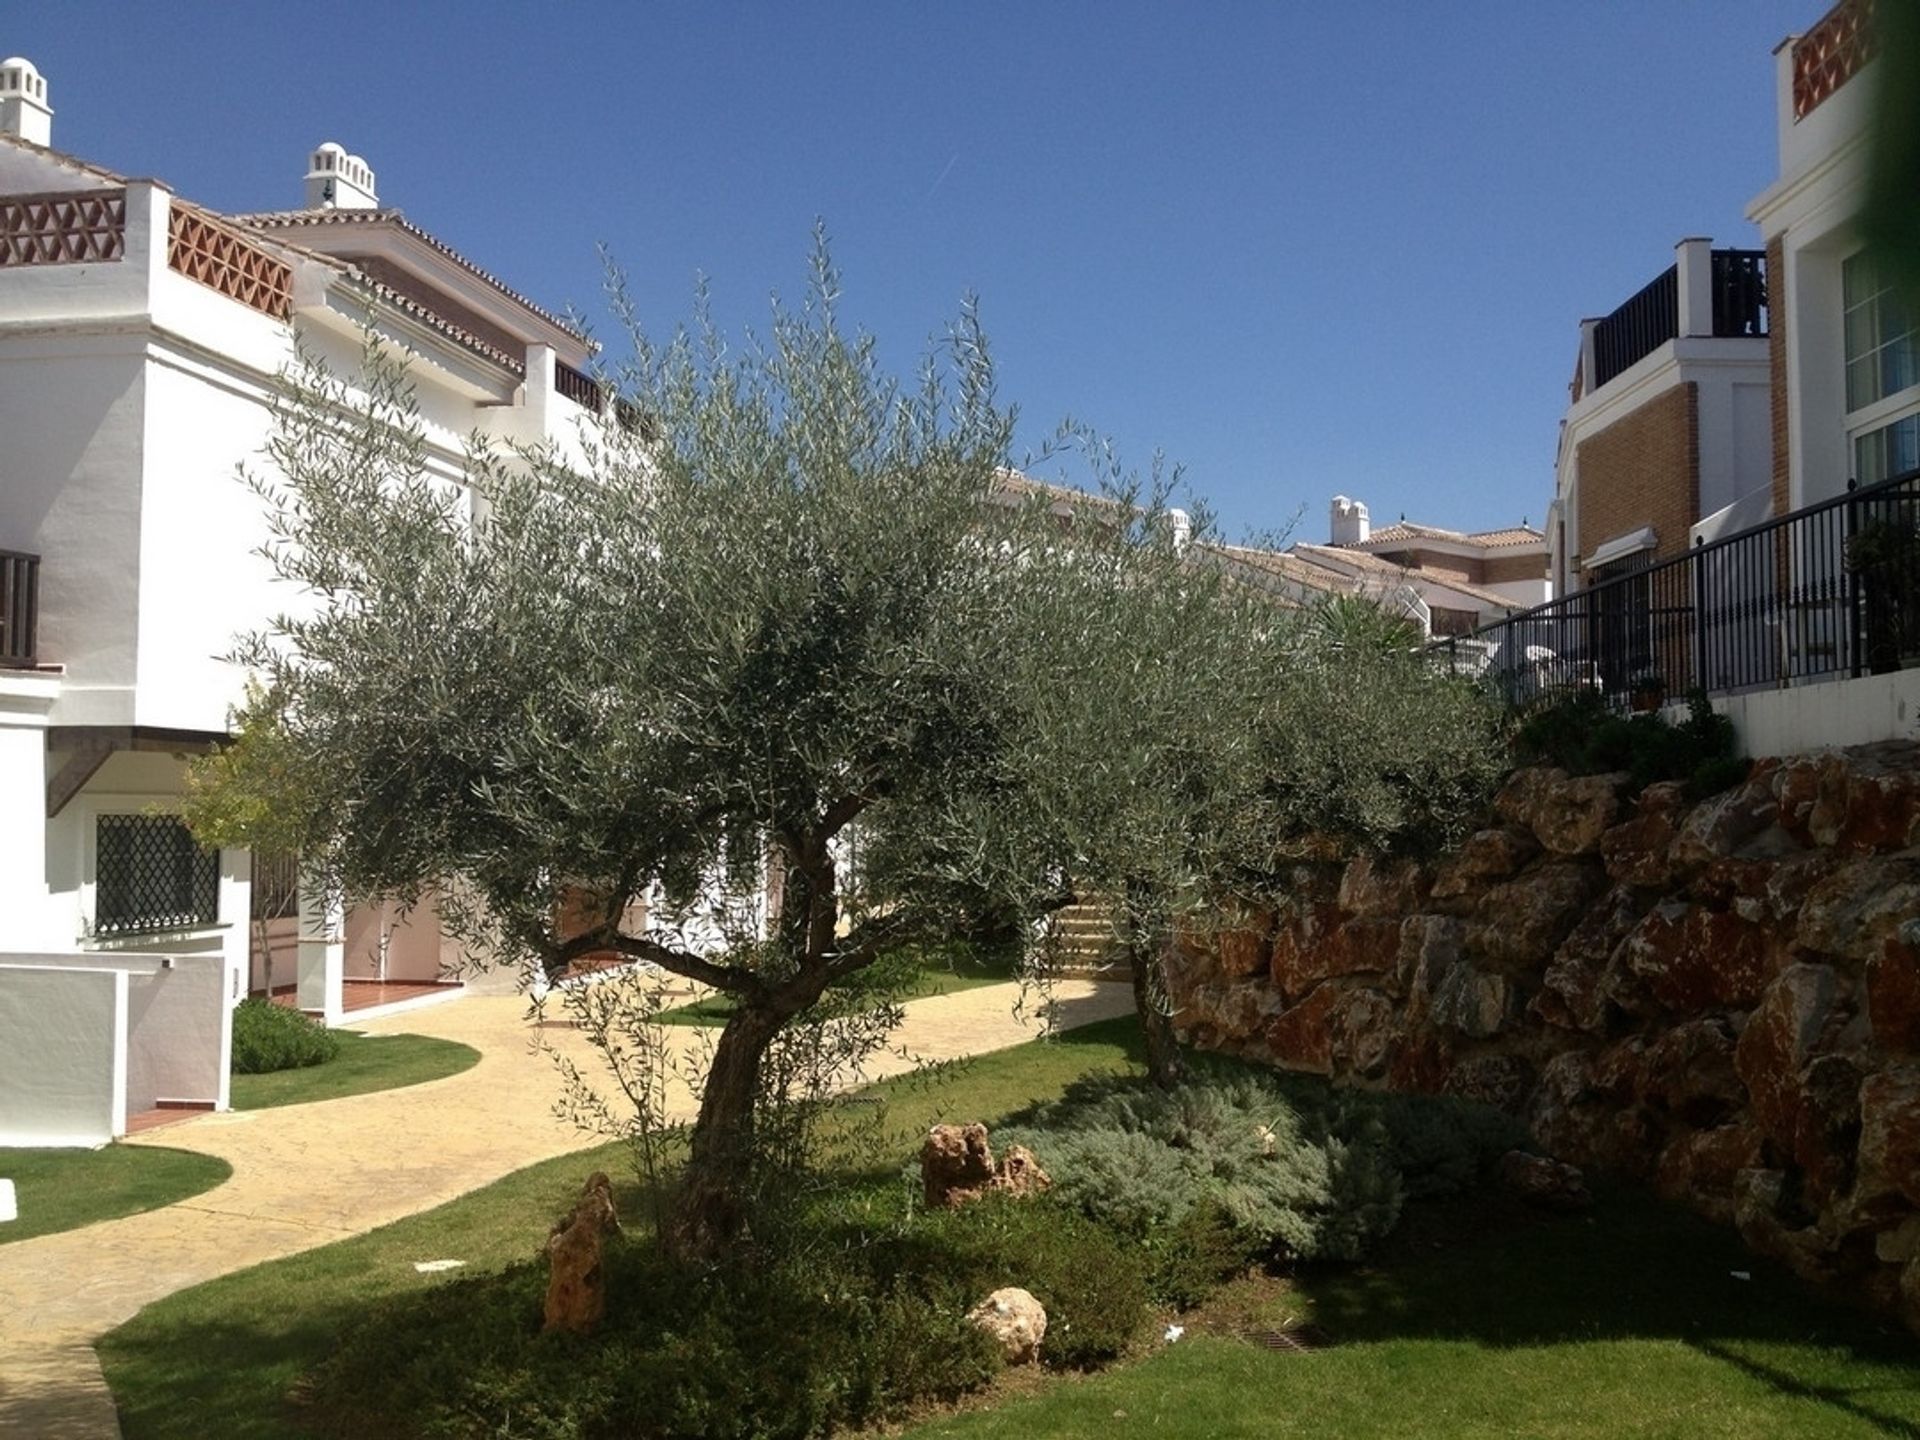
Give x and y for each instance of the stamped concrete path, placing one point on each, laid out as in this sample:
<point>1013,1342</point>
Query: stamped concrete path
<point>306,1175</point>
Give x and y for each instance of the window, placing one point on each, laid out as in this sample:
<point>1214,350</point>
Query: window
<point>1880,339</point>
<point>149,874</point>
<point>1891,450</point>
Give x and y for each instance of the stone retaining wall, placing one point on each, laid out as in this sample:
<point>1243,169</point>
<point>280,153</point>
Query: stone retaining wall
<point>1721,1000</point>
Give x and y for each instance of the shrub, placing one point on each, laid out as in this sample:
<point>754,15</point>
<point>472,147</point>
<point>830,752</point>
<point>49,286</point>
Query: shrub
<point>270,1037</point>
<point>1581,735</point>
<point>1238,1162</point>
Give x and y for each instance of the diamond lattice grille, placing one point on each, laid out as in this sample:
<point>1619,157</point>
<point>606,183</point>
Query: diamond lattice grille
<point>225,261</point>
<point>1831,54</point>
<point>150,875</point>
<point>63,229</point>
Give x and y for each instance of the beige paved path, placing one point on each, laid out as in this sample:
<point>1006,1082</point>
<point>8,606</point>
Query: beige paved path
<point>305,1175</point>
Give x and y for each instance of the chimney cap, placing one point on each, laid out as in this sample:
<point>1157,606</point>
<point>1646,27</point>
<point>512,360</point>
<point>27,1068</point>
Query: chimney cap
<point>337,180</point>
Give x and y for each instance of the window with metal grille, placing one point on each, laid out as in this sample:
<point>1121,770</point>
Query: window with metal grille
<point>150,875</point>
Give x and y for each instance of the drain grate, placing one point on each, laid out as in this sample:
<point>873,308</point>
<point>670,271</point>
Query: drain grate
<point>1294,1340</point>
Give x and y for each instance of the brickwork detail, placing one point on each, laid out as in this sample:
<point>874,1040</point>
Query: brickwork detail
<point>1506,569</point>
<point>1778,308</point>
<point>1643,469</point>
<point>63,229</point>
<point>222,260</point>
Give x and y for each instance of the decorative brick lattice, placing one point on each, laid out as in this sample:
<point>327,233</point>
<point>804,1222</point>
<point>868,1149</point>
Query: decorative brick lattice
<point>63,229</point>
<point>150,875</point>
<point>1831,54</point>
<point>223,260</point>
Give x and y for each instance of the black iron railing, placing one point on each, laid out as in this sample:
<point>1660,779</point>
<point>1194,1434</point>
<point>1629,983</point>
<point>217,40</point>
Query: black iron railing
<point>577,386</point>
<point>1827,592</point>
<point>1738,280</point>
<point>19,608</point>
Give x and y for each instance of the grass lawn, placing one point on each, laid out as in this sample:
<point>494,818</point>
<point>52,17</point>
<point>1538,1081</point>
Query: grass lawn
<point>938,977</point>
<point>65,1189</point>
<point>365,1062</point>
<point>1477,1319</point>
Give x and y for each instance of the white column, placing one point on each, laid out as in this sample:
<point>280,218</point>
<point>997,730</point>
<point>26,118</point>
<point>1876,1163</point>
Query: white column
<point>1693,265</point>
<point>322,966</point>
<point>1587,367</point>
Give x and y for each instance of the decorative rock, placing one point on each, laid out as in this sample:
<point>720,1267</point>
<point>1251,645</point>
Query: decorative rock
<point>1723,824</point>
<point>1700,1167</point>
<point>1483,856</point>
<point>576,1278</point>
<point>1363,1031</point>
<point>1567,816</point>
<point>1244,945</point>
<point>1016,1320</point>
<point>1541,1181</point>
<point>1430,945</point>
<point>1690,1070</point>
<point>1019,1173</point>
<point>956,1165</point>
<point>1302,947</point>
<point>1893,992</point>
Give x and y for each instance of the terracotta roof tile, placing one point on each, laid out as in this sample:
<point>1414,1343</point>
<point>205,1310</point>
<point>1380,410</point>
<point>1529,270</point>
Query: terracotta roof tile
<point>391,297</point>
<point>1380,565</point>
<point>1405,531</point>
<point>290,219</point>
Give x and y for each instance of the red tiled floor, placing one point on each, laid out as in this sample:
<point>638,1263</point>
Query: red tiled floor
<point>163,1115</point>
<point>365,994</point>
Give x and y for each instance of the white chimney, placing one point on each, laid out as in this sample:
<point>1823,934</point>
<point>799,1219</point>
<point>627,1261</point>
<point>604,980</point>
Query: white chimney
<point>339,181</point>
<point>23,102</point>
<point>1349,522</point>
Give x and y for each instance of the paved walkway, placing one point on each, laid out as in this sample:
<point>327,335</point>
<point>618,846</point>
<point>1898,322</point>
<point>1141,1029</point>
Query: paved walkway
<point>306,1175</point>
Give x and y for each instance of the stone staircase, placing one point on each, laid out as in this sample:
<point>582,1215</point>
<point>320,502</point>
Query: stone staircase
<point>1083,942</point>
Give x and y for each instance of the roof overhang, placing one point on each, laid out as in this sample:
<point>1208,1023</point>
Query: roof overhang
<point>1621,546</point>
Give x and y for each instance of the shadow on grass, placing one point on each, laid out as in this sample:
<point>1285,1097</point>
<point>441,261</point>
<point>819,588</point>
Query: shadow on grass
<point>1634,1268</point>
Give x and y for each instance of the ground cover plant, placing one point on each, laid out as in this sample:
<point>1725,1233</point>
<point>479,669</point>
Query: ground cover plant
<point>57,1190</point>
<point>360,1065</point>
<point>269,1037</point>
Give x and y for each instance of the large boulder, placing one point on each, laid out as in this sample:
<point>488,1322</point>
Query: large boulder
<point>1690,1071</point>
<point>1521,923</point>
<point>1363,1030</point>
<point>1725,824</point>
<point>1544,1182</point>
<point>1855,911</point>
<point>1016,1321</point>
<point>1889,1169</point>
<point>1700,1168</point>
<point>1566,815</point>
<point>1472,1002</point>
<point>1319,942</point>
<point>1636,850</point>
<point>1797,1014</point>
<point>1301,1037</point>
<point>1573,993</point>
<point>1484,857</point>
<point>1689,958</point>
<point>1863,799</point>
<point>1893,990</point>
<point>1378,885</point>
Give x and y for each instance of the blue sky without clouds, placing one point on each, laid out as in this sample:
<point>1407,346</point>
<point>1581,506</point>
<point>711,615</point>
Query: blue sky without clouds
<point>1302,249</point>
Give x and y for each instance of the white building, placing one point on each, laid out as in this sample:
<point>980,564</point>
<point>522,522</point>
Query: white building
<point>1844,353</point>
<point>140,340</point>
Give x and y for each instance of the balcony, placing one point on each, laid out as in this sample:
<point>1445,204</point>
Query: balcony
<point>1706,292</point>
<point>19,610</point>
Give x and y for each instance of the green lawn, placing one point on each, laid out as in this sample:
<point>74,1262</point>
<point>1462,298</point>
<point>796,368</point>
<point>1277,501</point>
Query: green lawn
<point>365,1063</point>
<point>65,1189</point>
<point>1625,1322</point>
<point>939,977</point>
<point>1478,1320</point>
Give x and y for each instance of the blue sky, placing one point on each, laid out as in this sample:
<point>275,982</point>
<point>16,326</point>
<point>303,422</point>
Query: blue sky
<point>1301,249</point>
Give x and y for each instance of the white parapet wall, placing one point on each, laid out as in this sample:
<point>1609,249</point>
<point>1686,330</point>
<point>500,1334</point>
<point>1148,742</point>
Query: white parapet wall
<point>1818,716</point>
<point>88,1039</point>
<point>63,1055</point>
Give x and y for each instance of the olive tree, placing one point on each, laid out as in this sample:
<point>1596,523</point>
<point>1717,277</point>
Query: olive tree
<point>787,603</point>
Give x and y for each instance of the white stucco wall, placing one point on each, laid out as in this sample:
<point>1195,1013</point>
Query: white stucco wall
<point>1815,716</point>
<point>62,1054</point>
<point>179,1030</point>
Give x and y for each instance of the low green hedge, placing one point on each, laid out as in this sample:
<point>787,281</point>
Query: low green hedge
<point>268,1037</point>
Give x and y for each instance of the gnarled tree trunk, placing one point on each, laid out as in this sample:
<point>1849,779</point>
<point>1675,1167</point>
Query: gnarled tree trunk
<point>710,1212</point>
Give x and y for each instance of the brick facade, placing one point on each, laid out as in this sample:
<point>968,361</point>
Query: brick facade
<point>1507,569</point>
<point>1643,469</point>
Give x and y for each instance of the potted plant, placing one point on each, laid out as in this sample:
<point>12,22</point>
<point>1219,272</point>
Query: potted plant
<point>1648,691</point>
